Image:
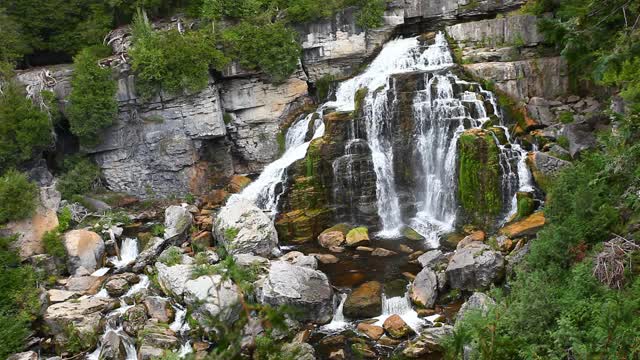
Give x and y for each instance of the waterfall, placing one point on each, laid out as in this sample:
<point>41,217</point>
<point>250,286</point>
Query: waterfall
<point>264,191</point>
<point>128,253</point>
<point>400,305</point>
<point>338,322</point>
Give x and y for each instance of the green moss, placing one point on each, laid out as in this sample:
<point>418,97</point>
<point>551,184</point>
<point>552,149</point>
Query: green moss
<point>526,205</point>
<point>231,233</point>
<point>358,101</point>
<point>227,118</point>
<point>282,144</point>
<point>563,141</point>
<point>172,256</point>
<point>479,177</point>
<point>566,117</point>
<point>411,234</point>
<point>323,86</point>
<point>343,228</point>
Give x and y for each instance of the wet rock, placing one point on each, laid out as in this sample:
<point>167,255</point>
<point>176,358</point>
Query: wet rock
<point>27,355</point>
<point>212,297</point>
<point>365,301</point>
<point>85,249</point>
<point>396,327</point>
<point>159,308</point>
<point>155,339</point>
<point>429,341</point>
<point>405,249</point>
<point>306,289</point>
<point>172,279</point>
<point>242,228</point>
<point>331,239</point>
<point>478,301</point>
<point>358,236</point>
<point>148,352</point>
<point>528,226</point>
<point>177,223</point>
<point>424,289</point>
<point>337,355</point>
<point>364,249</point>
<point>119,284</point>
<point>431,259</point>
<point>411,234</point>
<point>134,319</point>
<point>477,236</point>
<point>326,258</point>
<point>363,350</point>
<point>237,183</point>
<point>337,249</point>
<point>475,267</point>
<point>300,259</point>
<point>383,252</point>
<point>113,347</point>
<point>81,317</point>
<point>84,284</point>
<point>372,331</point>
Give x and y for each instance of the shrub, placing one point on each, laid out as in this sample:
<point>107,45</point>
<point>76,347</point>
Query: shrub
<point>80,177</point>
<point>24,129</point>
<point>53,244</point>
<point>170,61</point>
<point>18,197</point>
<point>370,13</point>
<point>171,256</point>
<point>272,48</point>
<point>157,230</point>
<point>92,102</point>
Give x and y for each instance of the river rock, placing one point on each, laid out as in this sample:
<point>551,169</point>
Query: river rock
<point>300,259</point>
<point>155,339</point>
<point>212,297</point>
<point>177,222</point>
<point>135,319</point>
<point>358,236</point>
<point>159,308</point>
<point>242,228</point>
<point>119,284</point>
<point>85,249</point>
<point>330,239</point>
<point>396,327</point>
<point>303,288</point>
<point>475,267</point>
<point>84,284</point>
<point>478,301</point>
<point>27,355</point>
<point>381,252</point>
<point>326,258</point>
<point>172,279</point>
<point>153,249</point>
<point>424,289</point>
<point>302,351</point>
<point>476,236</point>
<point>82,317</point>
<point>528,226</point>
<point>431,259</point>
<point>113,347</point>
<point>372,331</point>
<point>56,296</point>
<point>365,301</point>
<point>429,341</point>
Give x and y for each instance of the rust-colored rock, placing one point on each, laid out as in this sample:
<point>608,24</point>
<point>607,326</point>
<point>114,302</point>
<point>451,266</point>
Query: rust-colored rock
<point>238,182</point>
<point>526,227</point>
<point>365,301</point>
<point>476,236</point>
<point>396,327</point>
<point>372,331</point>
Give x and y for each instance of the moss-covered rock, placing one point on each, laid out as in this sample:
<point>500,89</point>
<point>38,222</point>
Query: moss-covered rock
<point>479,177</point>
<point>526,204</point>
<point>411,234</point>
<point>300,226</point>
<point>358,236</point>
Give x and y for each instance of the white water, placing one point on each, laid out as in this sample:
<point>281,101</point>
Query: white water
<point>338,322</point>
<point>400,305</point>
<point>263,191</point>
<point>179,323</point>
<point>101,272</point>
<point>128,253</point>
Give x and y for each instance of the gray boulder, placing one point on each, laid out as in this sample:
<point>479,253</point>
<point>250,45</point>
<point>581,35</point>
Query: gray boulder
<point>172,279</point>
<point>424,290</point>
<point>113,347</point>
<point>580,136</point>
<point>177,222</point>
<point>429,341</point>
<point>475,267</point>
<point>211,297</point>
<point>242,228</point>
<point>300,259</point>
<point>159,308</point>
<point>431,258</point>
<point>306,289</point>
<point>82,315</point>
<point>477,301</point>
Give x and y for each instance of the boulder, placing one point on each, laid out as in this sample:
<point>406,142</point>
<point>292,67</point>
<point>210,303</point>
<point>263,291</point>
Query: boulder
<point>431,259</point>
<point>326,258</point>
<point>581,137</point>
<point>302,351</point>
<point>396,327</point>
<point>424,289</point>
<point>134,319</point>
<point>429,341</point>
<point>152,250</point>
<point>528,226</point>
<point>172,279</point>
<point>27,355</point>
<point>177,223</point>
<point>411,234</point>
<point>544,167</point>
<point>154,339</point>
<point>365,301</point>
<point>85,249</point>
<point>248,260</point>
<point>119,284</point>
<point>300,259</point>
<point>358,236</point>
<point>478,301</point>
<point>372,331</point>
<point>475,267</point>
<point>56,296</point>
<point>303,288</point>
<point>478,236</point>
<point>159,308</point>
<point>212,297</point>
<point>113,347</point>
<point>242,228</point>
<point>383,252</point>
<point>76,320</point>
<point>84,284</point>
<point>331,239</point>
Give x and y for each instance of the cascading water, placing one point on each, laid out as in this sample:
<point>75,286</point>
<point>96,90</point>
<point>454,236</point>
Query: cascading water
<point>264,191</point>
<point>338,322</point>
<point>400,305</point>
<point>128,253</point>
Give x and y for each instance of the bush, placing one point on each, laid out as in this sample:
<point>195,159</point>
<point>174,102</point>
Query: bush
<point>80,177</point>
<point>170,61</point>
<point>92,102</point>
<point>24,129</point>
<point>272,48</point>
<point>18,197</point>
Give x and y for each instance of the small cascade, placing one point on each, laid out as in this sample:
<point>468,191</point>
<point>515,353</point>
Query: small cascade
<point>128,253</point>
<point>179,324</point>
<point>400,305</point>
<point>264,191</point>
<point>338,322</point>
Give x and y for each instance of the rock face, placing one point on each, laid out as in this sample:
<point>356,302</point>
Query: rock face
<point>80,319</point>
<point>177,222</point>
<point>303,288</point>
<point>521,29</point>
<point>242,228</point>
<point>450,9</point>
<point>85,250</point>
<point>211,297</point>
<point>475,267</point>
<point>365,301</point>
<point>424,290</point>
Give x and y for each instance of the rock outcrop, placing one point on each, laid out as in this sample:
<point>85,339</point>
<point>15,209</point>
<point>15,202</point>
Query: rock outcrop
<point>76,320</point>
<point>475,267</point>
<point>211,297</point>
<point>242,228</point>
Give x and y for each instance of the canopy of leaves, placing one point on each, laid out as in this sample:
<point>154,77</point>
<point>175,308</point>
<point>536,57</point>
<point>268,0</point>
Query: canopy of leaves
<point>12,45</point>
<point>24,129</point>
<point>79,178</point>
<point>92,102</point>
<point>18,197</point>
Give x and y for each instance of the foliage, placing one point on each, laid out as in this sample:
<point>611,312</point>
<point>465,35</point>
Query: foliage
<point>52,240</point>
<point>24,129</point>
<point>18,196</point>
<point>370,13</point>
<point>92,102</point>
<point>170,61</point>
<point>157,230</point>
<point>80,177</point>
<point>231,233</point>
<point>19,303</point>
<point>172,256</point>
<point>12,46</point>
<point>272,48</point>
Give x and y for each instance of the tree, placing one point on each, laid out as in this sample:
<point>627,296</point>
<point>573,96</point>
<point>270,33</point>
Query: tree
<point>92,102</point>
<point>18,197</point>
<point>24,129</point>
<point>12,45</point>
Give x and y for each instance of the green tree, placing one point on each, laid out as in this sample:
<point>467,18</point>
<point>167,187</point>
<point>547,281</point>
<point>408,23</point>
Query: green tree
<point>18,197</point>
<point>12,45</point>
<point>79,178</point>
<point>24,129</point>
<point>92,102</point>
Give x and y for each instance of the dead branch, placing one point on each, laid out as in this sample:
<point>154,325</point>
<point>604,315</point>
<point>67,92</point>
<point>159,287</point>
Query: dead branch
<point>610,263</point>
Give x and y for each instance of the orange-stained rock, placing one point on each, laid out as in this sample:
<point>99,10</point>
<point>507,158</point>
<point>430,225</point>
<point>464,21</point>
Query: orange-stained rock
<point>372,331</point>
<point>238,182</point>
<point>528,226</point>
<point>396,327</point>
<point>476,236</point>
